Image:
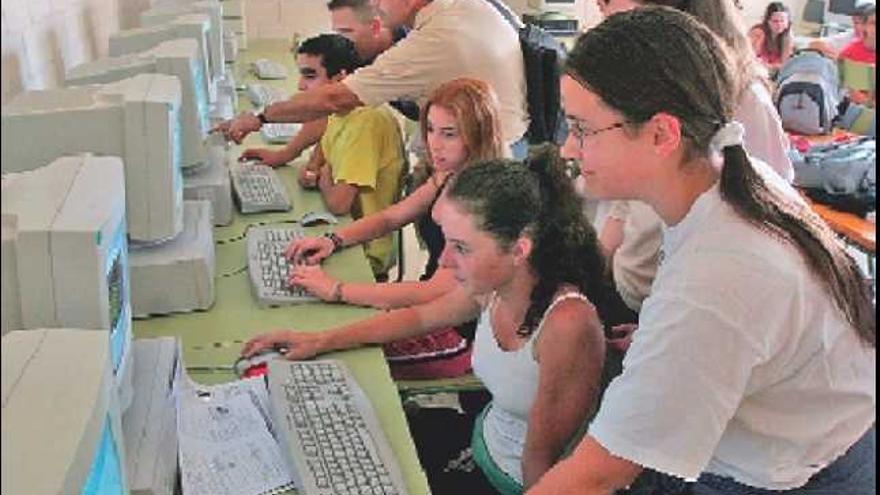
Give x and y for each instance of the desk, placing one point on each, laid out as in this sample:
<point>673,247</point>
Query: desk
<point>214,337</point>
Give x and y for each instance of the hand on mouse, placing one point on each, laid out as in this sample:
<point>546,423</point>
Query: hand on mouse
<point>314,280</point>
<point>299,345</point>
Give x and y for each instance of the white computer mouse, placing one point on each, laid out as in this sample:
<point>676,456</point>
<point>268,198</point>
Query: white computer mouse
<point>318,217</point>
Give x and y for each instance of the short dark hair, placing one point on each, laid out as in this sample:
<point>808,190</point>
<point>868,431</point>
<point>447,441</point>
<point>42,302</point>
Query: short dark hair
<point>362,8</point>
<point>864,10</point>
<point>337,53</point>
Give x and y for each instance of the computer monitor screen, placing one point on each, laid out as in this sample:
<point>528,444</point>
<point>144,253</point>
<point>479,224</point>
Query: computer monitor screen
<point>165,12</point>
<point>136,119</point>
<point>61,421</point>
<point>180,58</point>
<point>195,26</point>
<point>66,252</point>
<point>842,7</point>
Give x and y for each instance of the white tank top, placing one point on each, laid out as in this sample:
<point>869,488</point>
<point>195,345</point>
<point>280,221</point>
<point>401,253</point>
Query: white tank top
<point>512,379</point>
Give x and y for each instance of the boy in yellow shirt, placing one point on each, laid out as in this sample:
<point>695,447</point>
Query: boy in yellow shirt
<point>358,163</point>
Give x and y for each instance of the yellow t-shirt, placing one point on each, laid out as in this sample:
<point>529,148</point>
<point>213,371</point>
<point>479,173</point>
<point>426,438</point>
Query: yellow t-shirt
<point>364,148</point>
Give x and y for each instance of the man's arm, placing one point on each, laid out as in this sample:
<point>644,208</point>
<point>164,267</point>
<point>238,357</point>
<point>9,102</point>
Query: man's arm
<point>301,107</point>
<point>311,105</point>
<point>590,470</point>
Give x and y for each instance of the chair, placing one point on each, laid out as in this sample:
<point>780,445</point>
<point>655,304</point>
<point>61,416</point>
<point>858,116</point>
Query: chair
<point>858,76</point>
<point>411,388</point>
<point>813,18</point>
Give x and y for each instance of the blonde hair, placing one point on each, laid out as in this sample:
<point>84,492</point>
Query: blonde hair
<point>475,107</point>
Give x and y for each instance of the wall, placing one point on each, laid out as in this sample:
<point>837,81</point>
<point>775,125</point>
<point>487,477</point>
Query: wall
<point>43,38</point>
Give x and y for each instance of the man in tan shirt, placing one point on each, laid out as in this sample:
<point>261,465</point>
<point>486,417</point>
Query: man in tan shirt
<point>448,39</point>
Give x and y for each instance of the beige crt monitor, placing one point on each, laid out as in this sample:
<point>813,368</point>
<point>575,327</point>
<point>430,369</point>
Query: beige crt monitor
<point>61,426</point>
<point>178,58</point>
<point>167,11</point>
<point>195,26</point>
<point>136,119</point>
<point>65,256</point>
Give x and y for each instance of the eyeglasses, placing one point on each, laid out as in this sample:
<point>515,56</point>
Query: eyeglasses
<point>578,131</point>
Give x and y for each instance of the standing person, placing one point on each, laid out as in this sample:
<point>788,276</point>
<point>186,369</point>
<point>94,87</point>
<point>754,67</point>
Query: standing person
<point>526,263</point>
<point>357,21</point>
<point>772,39</point>
<point>460,124</point>
<point>439,47</point>
<point>753,370</point>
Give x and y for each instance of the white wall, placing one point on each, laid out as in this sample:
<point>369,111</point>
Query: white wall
<point>43,38</point>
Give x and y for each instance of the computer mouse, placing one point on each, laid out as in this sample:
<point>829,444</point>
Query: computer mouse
<point>318,217</point>
<point>258,364</point>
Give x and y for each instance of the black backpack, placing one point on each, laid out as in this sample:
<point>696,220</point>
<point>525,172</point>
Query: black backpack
<point>543,57</point>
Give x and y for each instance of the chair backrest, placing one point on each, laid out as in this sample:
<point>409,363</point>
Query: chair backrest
<point>813,17</point>
<point>857,75</point>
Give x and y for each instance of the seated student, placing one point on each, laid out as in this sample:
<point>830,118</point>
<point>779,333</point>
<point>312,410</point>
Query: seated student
<point>863,49</point>
<point>772,39</point>
<point>631,231</point>
<point>754,368</point>
<point>359,162</point>
<point>460,125</point>
<point>832,45</point>
<point>525,262</point>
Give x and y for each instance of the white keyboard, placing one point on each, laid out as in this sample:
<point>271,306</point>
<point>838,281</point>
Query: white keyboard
<point>279,133</point>
<point>258,188</point>
<point>269,69</point>
<point>269,268</point>
<point>330,431</point>
<point>262,95</point>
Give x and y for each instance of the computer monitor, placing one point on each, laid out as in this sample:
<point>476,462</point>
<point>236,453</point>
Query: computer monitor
<point>194,26</point>
<point>165,12</point>
<point>136,119</point>
<point>61,426</point>
<point>65,256</point>
<point>178,58</point>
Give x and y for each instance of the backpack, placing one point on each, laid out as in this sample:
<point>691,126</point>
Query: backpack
<point>808,93</point>
<point>543,56</point>
<point>841,175</point>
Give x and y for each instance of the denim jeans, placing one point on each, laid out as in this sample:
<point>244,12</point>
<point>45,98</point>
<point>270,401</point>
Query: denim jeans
<point>851,474</point>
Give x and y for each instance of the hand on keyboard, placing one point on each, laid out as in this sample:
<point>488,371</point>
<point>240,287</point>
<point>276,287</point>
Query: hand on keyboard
<point>272,158</point>
<point>314,280</point>
<point>310,250</point>
<point>299,345</point>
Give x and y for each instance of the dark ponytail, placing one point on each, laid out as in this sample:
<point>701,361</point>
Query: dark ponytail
<point>656,59</point>
<point>748,194</point>
<point>566,246</point>
<point>538,199</point>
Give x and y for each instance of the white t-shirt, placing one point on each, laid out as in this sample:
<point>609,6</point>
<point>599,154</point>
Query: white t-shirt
<point>451,39</point>
<point>634,264</point>
<point>764,137</point>
<point>742,365</point>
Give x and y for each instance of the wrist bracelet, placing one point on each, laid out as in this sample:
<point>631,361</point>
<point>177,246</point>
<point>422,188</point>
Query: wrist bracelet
<point>262,118</point>
<point>335,239</point>
<point>337,292</point>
